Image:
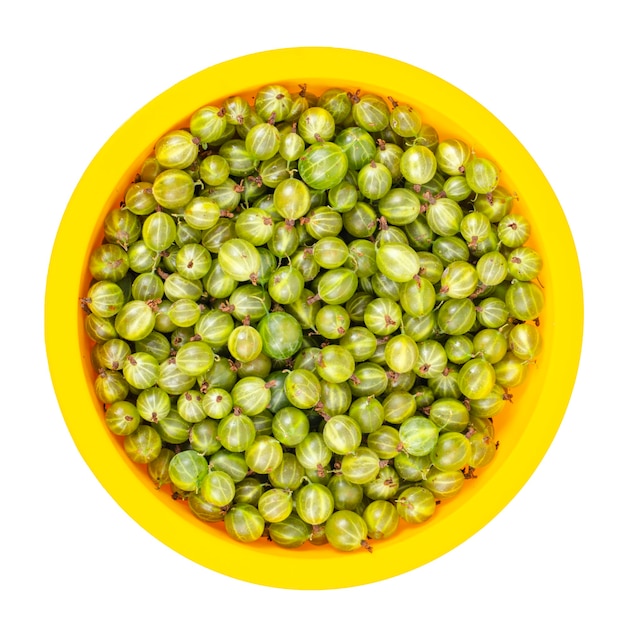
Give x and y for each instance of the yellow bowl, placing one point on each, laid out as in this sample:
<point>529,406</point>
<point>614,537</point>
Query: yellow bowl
<point>525,430</point>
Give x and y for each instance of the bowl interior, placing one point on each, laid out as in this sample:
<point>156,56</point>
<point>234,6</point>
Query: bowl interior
<point>525,429</point>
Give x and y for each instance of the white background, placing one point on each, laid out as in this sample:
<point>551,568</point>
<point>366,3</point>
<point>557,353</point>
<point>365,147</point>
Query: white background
<point>72,73</point>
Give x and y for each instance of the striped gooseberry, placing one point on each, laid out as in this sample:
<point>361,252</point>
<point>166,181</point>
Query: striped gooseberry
<point>264,454</point>
<point>400,206</point>
<point>432,358</point>
<point>513,230</point>
<point>187,470</point>
<point>313,503</point>
<point>173,189</point>
<point>109,261</point>
<point>347,531</point>
<point>405,120</point>
<point>361,465</point>
<point>398,261</point>
<point>122,417</point>
<point>492,312</point>
<point>173,429</point>
<point>456,316</point>
<point>490,344</point>
<point>275,505</point>
<point>244,523</point>
<point>382,316</point>
<point>334,364</point>
<point>236,432</point>
<point>217,487</point>
<point>381,518</point>
<point>153,404</point>
<point>370,111</point>
<point>195,358</point>
<point>135,320</point>
<point>524,263</point>
<point>398,406</point>
<point>337,285</point>
<point>233,463</point>
<point>495,204</point>
<point>262,141</point>
<point>418,435</point>
<point>330,252</point>
<point>384,486</point>
<point>288,474</point>
<point>417,296</point>
<point>456,188</point>
<point>367,412</point>
<point>385,442</point>
<point>452,451</point>
<point>444,216</point>
<point>374,180</point>
<point>273,101</point>
<point>139,198</point>
<point>143,444</point>
<point>322,165</point>
<point>416,505</point>
<point>241,163</point>
<point>524,300</point>
<point>204,510</point>
<point>342,434</point>
<point>490,405</point>
<point>208,123</point>
<point>369,379</point>
<point>401,353</point>
<point>482,450</point>
<point>449,414</point>
<point>141,370</point>
<point>452,156</point>
<point>418,164</point>
<point>172,380</point>
<point>525,341</point>
<point>189,406</point>
<point>290,533</point>
<point>492,268</point>
<point>346,495</point>
<point>290,426</point>
<point>158,469</point>
<point>302,388</point>
<point>105,298</point>
<point>176,149</point>
<point>510,370</point>
<point>449,249</point>
<point>444,484</point>
<point>245,343</point>
<point>122,226</point>
<point>239,259</point>
<point>482,174</point>
<point>476,378</point>
<point>412,468</point>
<point>316,124</point>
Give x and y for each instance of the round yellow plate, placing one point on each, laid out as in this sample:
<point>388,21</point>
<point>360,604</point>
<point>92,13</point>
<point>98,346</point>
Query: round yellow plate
<point>525,430</point>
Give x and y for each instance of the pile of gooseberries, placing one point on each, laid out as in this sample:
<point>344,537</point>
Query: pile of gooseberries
<point>306,312</point>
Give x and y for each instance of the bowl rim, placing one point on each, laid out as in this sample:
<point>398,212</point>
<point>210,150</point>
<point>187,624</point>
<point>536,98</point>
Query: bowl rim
<point>68,360</point>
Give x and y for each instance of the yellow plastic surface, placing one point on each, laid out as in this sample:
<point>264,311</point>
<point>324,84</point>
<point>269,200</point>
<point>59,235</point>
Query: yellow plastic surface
<point>525,430</point>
